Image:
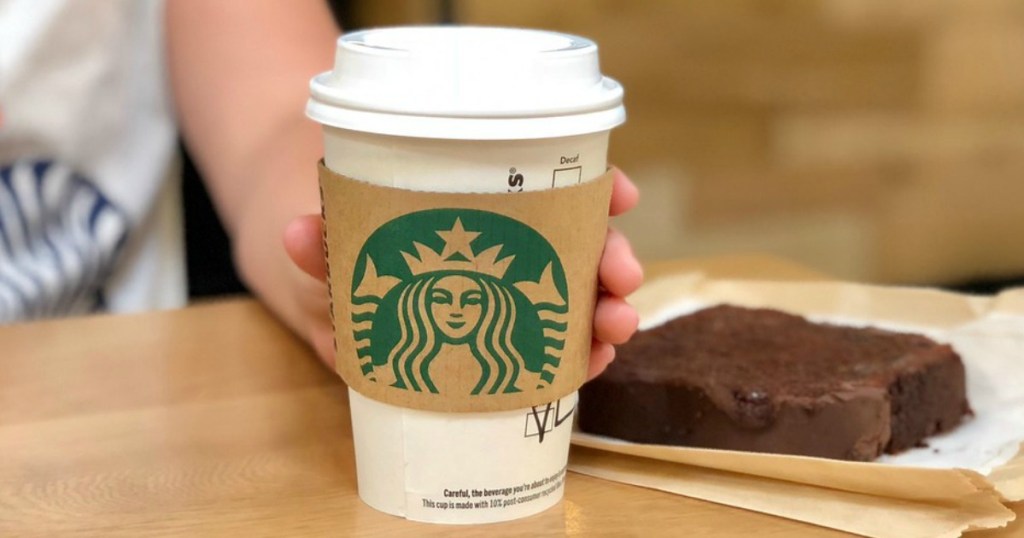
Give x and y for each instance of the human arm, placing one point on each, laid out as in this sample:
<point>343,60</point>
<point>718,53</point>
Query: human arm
<point>240,83</point>
<point>240,71</point>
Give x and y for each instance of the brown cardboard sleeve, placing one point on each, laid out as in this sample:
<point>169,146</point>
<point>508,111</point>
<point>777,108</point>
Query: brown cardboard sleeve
<point>463,302</point>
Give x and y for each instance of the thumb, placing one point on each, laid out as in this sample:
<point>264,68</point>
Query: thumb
<point>303,241</point>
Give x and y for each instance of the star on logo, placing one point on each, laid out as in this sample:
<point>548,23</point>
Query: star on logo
<point>457,241</point>
<point>457,255</point>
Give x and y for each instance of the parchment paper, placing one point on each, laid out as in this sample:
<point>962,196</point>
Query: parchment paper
<point>957,482</point>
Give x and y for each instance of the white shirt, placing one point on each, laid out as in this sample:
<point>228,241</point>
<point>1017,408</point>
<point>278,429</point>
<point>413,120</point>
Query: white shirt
<point>89,219</point>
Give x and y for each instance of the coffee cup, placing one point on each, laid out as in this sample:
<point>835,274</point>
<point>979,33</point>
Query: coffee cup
<point>465,193</point>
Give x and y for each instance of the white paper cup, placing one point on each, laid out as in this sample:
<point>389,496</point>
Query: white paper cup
<point>464,110</point>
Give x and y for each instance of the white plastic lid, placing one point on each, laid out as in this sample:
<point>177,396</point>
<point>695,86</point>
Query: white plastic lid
<point>465,82</point>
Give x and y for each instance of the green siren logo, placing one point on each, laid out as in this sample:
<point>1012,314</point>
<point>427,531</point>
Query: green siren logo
<point>459,301</point>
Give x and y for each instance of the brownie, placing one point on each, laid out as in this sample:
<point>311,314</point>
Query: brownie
<point>767,381</point>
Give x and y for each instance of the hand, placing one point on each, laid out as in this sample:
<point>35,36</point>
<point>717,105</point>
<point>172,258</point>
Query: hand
<point>620,274</point>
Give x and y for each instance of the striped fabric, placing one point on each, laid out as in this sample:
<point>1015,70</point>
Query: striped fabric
<point>59,240</point>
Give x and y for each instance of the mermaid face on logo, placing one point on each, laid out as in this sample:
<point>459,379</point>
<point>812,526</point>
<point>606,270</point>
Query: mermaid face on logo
<point>456,305</point>
<point>412,305</point>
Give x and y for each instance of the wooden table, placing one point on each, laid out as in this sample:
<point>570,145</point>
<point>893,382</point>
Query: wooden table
<point>213,420</point>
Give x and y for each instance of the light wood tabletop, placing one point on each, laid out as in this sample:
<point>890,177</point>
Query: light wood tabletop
<point>215,421</point>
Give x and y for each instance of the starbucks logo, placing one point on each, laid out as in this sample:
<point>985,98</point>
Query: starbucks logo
<point>451,301</point>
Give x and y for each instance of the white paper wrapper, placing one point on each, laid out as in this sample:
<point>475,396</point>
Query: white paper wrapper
<point>958,482</point>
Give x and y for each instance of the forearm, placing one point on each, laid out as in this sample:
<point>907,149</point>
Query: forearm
<point>284,186</point>
<point>240,71</point>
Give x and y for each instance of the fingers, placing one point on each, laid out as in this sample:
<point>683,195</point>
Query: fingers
<point>614,323</point>
<point>615,320</point>
<point>620,272</point>
<point>601,355</point>
<point>625,195</point>
<point>303,240</point>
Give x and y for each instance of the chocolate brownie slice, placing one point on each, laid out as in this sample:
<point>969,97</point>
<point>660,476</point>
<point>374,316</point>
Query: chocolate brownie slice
<point>767,381</point>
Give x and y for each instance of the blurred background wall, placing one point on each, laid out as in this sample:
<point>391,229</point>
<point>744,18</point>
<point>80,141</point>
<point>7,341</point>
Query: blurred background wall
<point>876,140</point>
